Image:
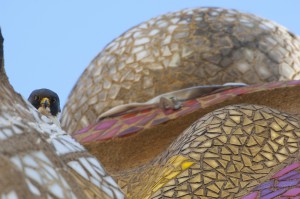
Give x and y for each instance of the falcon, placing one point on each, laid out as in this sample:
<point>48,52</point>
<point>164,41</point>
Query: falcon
<point>47,103</point>
<point>37,158</point>
<point>226,153</point>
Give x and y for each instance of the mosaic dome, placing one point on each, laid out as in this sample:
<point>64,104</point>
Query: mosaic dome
<point>178,50</point>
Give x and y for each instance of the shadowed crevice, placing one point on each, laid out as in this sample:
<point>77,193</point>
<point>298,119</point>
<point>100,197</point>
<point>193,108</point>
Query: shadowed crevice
<point>2,70</point>
<point>1,52</point>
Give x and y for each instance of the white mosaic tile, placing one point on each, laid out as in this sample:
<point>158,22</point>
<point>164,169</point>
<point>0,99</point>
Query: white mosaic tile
<point>78,168</point>
<point>33,188</point>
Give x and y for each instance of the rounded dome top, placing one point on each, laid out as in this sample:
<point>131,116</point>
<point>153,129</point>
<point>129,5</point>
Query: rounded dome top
<point>182,49</point>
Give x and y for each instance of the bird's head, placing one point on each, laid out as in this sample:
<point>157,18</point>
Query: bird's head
<point>45,101</point>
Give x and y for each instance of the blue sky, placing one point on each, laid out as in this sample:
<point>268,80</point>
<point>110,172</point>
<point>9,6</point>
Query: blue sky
<point>48,44</point>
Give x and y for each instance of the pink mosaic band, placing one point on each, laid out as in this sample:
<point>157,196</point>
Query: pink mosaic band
<point>131,123</point>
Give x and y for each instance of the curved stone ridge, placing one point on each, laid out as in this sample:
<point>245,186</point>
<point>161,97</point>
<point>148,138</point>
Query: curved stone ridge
<point>178,50</point>
<point>40,160</point>
<point>138,119</point>
<point>224,154</point>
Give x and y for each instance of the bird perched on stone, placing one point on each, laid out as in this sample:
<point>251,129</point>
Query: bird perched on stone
<point>47,103</point>
<point>40,160</point>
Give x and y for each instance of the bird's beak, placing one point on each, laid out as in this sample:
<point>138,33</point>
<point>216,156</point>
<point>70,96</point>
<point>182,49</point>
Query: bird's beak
<point>45,102</point>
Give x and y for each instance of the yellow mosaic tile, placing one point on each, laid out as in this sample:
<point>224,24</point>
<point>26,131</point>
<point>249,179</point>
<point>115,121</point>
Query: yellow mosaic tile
<point>281,141</point>
<point>266,115</point>
<point>169,193</point>
<point>238,132</point>
<point>247,112</point>
<point>229,123</point>
<point>258,158</point>
<point>236,119</point>
<point>259,129</point>
<point>275,126</point>
<point>293,149</point>
<point>246,177</point>
<point>195,186</point>
<point>267,148</point>
<point>289,128</point>
<point>234,149</point>
<point>196,179</point>
<point>274,134</point>
<point>210,155</point>
<point>222,138</point>
<point>237,159</point>
<point>211,163</point>
<point>257,116</point>
<point>269,156</point>
<point>260,140</point>
<point>234,112</point>
<point>223,163</point>
<point>280,122</point>
<point>210,174</point>
<point>225,151</point>
<point>212,194</point>
<point>280,157</point>
<point>261,123</point>
<point>224,194</point>
<point>273,145</point>
<point>206,180</point>
<point>247,121</point>
<point>234,140</point>
<point>186,165</point>
<point>246,151</point>
<point>283,151</point>
<point>222,116</point>
<point>247,161</point>
<point>248,129</point>
<point>220,184</point>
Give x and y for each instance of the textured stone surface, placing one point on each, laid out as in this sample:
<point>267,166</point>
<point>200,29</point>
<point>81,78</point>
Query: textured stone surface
<point>129,123</point>
<point>224,154</point>
<point>179,50</point>
<point>39,160</point>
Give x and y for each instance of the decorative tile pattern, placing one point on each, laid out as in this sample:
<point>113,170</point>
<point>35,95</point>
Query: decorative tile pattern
<point>40,160</point>
<point>139,119</point>
<point>178,50</point>
<point>90,175</point>
<point>64,145</point>
<point>225,154</point>
<point>38,169</point>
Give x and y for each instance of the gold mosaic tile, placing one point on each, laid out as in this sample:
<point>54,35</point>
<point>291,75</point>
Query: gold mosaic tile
<point>227,170</point>
<point>222,155</point>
